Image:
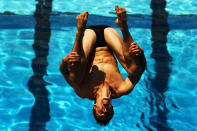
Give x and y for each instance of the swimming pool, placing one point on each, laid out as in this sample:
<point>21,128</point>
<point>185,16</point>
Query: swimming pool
<point>34,96</point>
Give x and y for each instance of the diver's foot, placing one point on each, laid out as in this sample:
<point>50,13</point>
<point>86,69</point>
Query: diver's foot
<point>81,21</point>
<point>121,21</point>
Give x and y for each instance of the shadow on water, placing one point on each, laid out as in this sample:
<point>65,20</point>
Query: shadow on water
<point>36,84</point>
<point>159,84</point>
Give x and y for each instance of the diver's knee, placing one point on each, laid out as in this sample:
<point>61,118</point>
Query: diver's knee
<point>89,33</point>
<point>110,31</point>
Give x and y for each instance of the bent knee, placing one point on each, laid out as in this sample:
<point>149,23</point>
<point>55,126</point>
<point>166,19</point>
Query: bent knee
<point>110,30</point>
<point>90,33</point>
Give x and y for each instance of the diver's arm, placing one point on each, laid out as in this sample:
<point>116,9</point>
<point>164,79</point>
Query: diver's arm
<point>135,72</point>
<point>69,68</point>
<point>64,70</point>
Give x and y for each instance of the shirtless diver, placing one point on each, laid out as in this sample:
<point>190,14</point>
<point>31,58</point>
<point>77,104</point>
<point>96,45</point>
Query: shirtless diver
<point>91,68</point>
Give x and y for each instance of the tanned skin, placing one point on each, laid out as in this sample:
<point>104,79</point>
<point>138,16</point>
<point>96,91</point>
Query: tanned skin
<point>93,72</point>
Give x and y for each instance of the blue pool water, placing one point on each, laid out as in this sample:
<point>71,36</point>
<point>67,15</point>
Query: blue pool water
<point>34,95</point>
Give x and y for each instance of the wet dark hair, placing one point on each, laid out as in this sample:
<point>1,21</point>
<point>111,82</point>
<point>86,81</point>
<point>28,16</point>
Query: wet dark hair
<point>103,120</point>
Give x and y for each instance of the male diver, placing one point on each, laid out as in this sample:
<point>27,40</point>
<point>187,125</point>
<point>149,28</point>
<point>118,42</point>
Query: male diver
<point>91,68</point>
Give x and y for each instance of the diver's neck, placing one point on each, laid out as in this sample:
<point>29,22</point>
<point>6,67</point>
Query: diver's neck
<point>103,92</point>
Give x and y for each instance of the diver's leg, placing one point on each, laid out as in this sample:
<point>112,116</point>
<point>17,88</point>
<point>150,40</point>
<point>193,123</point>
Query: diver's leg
<point>135,60</point>
<point>120,49</point>
<point>115,42</point>
<point>121,21</point>
<point>121,46</point>
<point>127,38</point>
<point>85,38</point>
<point>88,43</point>
<point>83,46</point>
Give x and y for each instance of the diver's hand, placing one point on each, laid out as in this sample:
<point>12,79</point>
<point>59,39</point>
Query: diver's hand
<point>135,49</point>
<point>71,59</point>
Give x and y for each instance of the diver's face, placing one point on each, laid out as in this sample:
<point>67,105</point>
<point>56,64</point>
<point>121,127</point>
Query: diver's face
<point>103,106</point>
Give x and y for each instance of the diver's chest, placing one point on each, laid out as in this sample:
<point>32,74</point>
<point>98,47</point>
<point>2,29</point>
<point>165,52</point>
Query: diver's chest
<point>103,72</point>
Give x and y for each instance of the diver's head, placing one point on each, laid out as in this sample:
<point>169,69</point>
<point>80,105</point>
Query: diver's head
<point>103,111</point>
<point>103,108</point>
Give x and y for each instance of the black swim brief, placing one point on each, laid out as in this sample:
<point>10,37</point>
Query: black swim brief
<point>99,30</point>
